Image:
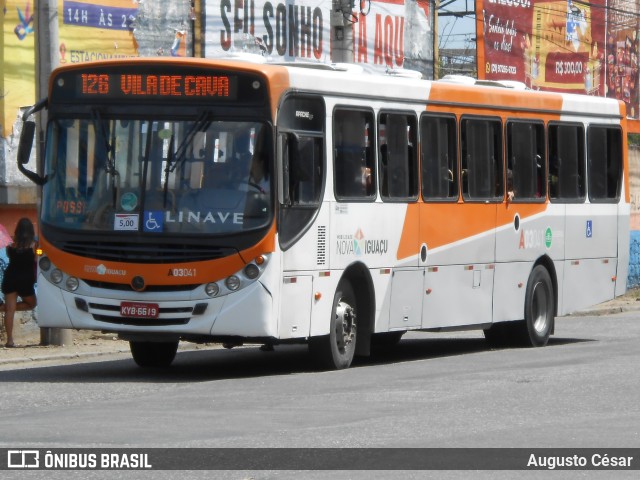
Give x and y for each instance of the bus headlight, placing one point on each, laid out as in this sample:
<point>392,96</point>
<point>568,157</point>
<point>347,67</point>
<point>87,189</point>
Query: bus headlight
<point>244,277</point>
<point>212,289</point>
<point>72,284</point>
<point>251,271</point>
<point>45,264</point>
<point>232,283</point>
<point>56,276</point>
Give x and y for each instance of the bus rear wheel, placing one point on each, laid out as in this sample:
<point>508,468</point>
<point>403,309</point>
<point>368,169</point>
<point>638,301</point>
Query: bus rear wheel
<point>539,315</point>
<point>153,354</point>
<point>336,350</point>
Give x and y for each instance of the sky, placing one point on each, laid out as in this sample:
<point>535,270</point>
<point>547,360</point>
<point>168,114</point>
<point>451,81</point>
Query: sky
<point>454,32</point>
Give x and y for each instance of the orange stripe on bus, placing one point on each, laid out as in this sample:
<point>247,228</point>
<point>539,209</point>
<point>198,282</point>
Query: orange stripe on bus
<point>442,224</point>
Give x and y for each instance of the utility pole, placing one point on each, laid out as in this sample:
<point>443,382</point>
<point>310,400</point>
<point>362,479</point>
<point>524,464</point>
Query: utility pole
<point>341,31</point>
<point>46,46</point>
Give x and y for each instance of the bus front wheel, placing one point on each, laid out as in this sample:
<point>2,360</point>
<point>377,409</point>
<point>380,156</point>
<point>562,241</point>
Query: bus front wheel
<point>336,350</point>
<point>153,354</point>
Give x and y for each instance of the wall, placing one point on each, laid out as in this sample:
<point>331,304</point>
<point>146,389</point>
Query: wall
<point>634,186</point>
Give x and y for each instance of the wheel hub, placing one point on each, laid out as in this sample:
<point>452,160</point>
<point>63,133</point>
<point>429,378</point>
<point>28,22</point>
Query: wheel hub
<point>345,324</point>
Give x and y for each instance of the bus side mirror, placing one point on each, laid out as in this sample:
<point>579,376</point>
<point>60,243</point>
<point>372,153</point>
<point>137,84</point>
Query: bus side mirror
<point>24,152</point>
<point>26,142</point>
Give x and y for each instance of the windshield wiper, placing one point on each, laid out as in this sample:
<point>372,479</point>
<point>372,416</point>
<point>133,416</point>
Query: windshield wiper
<point>109,162</point>
<point>173,160</point>
<point>98,125</point>
<point>199,125</point>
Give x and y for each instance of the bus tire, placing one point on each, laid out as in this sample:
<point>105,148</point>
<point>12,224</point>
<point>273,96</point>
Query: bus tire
<point>336,350</point>
<point>535,329</point>
<point>153,354</point>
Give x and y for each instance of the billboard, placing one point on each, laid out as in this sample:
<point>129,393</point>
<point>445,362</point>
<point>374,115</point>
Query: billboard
<point>386,33</point>
<point>556,45</point>
<point>622,54</point>
<point>95,30</point>
<point>17,82</point>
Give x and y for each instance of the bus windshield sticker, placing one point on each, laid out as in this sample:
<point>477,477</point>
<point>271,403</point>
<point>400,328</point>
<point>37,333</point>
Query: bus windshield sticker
<point>129,201</point>
<point>126,221</point>
<point>153,221</point>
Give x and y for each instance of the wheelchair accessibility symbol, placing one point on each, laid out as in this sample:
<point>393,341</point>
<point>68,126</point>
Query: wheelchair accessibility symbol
<point>153,221</point>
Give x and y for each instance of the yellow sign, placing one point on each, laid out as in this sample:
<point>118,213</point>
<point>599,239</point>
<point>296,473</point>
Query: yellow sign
<point>96,30</point>
<point>17,80</point>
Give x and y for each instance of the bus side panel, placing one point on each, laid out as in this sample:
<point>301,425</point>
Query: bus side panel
<point>588,282</point>
<point>457,295</point>
<point>311,251</point>
<point>458,283</point>
<point>406,300</point>
<point>369,233</point>
<point>509,291</point>
<point>591,231</point>
<point>590,253</point>
<point>295,300</point>
<point>382,285</point>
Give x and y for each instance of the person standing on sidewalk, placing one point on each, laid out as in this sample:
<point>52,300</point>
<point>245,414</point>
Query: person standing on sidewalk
<point>19,277</point>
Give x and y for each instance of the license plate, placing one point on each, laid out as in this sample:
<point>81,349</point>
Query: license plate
<point>139,310</point>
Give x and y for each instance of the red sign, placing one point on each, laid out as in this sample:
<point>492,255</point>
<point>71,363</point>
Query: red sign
<point>551,45</point>
<point>139,310</point>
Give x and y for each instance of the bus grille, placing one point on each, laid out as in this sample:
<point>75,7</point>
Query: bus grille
<point>145,253</point>
<point>125,287</point>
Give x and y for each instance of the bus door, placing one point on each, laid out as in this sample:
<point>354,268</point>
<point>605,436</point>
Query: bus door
<point>302,216</point>
<point>458,218</point>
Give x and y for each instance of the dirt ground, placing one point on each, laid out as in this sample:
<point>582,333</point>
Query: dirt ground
<point>27,337</point>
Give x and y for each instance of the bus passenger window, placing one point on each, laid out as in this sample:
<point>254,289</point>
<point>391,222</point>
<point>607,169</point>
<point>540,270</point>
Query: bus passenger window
<point>604,151</point>
<point>481,159</point>
<point>439,158</point>
<point>354,160</point>
<point>566,162</point>
<point>397,159</point>
<point>525,161</point>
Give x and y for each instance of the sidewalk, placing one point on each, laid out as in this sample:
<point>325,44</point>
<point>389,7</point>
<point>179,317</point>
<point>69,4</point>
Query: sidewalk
<point>88,344</point>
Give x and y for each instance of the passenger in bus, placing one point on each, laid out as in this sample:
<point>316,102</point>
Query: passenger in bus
<point>19,277</point>
<point>510,191</point>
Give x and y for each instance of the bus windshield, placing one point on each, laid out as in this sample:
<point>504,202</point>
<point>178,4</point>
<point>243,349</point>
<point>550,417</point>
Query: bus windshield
<point>199,176</point>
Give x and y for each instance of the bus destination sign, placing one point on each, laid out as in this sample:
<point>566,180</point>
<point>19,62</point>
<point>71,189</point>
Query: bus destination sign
<point>157,86</point>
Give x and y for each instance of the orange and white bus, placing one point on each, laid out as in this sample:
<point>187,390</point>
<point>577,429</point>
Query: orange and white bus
<point>245,202</point>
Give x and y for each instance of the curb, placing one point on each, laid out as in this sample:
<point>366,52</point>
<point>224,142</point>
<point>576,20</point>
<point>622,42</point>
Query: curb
<point>58,356</point>
<point>71,356</point>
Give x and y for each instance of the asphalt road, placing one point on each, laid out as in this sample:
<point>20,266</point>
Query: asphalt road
<point>433,390</point>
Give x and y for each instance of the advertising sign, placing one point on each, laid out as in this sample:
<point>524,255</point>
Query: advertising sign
<point>555,45</point>
<point>385,32</point>
<point>17,85</point>
<point>622,54</point>
<point>96,30</point>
